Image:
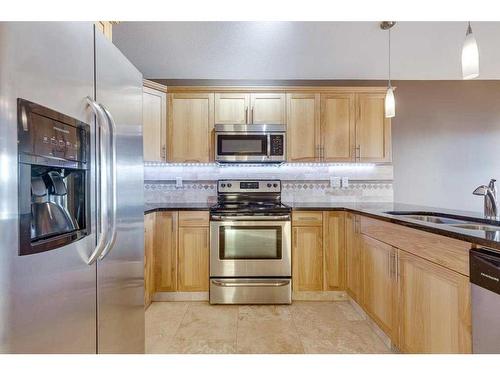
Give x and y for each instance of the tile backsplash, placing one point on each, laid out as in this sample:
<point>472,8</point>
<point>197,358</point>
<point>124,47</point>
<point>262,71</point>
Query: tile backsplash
<point>301,182</point>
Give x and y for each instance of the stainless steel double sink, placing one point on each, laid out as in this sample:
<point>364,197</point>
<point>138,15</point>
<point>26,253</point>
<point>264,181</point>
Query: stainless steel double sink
<point>443,219</point>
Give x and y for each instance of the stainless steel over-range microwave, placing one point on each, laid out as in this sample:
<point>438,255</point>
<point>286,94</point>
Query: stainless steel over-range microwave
<point>250,143</point>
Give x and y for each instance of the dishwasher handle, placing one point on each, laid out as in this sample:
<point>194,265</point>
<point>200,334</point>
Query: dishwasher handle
<point>485,269</point>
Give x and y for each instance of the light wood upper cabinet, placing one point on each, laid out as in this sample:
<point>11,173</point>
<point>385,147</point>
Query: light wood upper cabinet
<point>193,259</point>
<point>373,129</point>
<point>303,126</point>
<point>190,127</point>
<point>434,308</point>
<point>267,108</point>
<point>307,258</point>
<point>166,251</point>
<point>353,258</point>
<point>337,127</point>
<point>380,283</point>
<point>154,123</point>
<point>149,235</point>
<point>232,108</point>
<point>334,250</point>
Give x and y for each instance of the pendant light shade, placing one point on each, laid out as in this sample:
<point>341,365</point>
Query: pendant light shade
<point>390,103</point>
<point>470,56</point>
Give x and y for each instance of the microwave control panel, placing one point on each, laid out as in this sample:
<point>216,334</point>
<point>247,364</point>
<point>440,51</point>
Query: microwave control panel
<point>276,144</point>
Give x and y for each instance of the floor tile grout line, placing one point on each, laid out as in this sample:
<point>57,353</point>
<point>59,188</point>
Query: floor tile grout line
<point>172,340</point>
<point>297,331</point>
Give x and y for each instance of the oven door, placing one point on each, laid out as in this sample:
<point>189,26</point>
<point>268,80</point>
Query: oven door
<point>250,248</point>
<point>242,147</point>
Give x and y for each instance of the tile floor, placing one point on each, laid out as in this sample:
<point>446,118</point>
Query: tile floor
<point>303,327</point>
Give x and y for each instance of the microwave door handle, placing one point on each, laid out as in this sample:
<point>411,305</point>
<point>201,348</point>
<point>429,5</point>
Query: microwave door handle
<point>111,183</point>
<point>101,201</point>
<point>269,146</point>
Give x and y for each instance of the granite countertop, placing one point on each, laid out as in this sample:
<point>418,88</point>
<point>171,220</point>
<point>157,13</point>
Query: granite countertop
<point>201,206</point>
<point>379,211</point>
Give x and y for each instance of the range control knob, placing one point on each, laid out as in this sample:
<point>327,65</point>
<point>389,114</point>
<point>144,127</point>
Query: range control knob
<point>269,185</point>
<point>229,185</point>
<point>275,185</point>
<point>223,185</point>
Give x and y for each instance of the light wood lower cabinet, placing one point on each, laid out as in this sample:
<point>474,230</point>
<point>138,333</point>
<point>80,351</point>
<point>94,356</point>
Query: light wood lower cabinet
<point>307,258</point>
<point>434,308</point>
<point>193,259</point>
<point>165,251</point>
<point>318,251</point>
<point>177,250</point>
<point>353,258</point>
<point>379,283</point>
<point>149,233</point>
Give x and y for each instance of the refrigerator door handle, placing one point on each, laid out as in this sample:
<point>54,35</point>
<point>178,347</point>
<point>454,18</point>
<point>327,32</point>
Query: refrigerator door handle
<point>111,183</point>
<point>102,203</point>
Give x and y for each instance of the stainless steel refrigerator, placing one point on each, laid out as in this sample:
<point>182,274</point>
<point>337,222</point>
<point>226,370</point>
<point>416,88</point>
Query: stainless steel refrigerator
<point>79,290</point>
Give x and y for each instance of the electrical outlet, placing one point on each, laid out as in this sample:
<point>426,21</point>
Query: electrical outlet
<point>335,182</point>
<point>178,182</point>
<point>345,182</point>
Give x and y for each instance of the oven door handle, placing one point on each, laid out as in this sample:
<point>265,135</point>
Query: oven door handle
<point>229,284</point>
<point>250,218</point>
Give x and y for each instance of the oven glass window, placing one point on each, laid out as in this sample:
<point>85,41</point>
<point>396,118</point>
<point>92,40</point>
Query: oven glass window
<point>240,242</point>
<point>242,144</point>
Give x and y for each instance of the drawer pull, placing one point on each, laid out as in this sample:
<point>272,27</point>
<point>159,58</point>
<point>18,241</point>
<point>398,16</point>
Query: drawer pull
<point>257,283</point>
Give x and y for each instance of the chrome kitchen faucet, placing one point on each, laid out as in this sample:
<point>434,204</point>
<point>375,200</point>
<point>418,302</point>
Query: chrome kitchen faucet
<point>490,198</point>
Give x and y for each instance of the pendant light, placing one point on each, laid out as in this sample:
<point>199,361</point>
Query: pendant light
<point>470,56</point>
<point>390,104</point>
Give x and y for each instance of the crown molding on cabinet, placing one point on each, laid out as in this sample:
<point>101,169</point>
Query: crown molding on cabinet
<point>276,89</point>
<point>154,85</point>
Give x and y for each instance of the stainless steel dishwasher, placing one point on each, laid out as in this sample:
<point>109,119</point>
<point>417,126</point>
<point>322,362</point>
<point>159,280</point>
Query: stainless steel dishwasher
<point>485,288</point>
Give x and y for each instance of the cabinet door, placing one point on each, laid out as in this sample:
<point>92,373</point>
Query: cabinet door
<point>334,250</point>
<point>434,307</point>
<point>232,108</point>
<point>193,259</point>
<point>191,122</point>
<point>353,258</point>
<point>307,258</point>
<point>149,232</point>
<point>165,250</point>
<point>337,127</point>
<point>379,283</point>
<point>303,126</point>
<point>373,130</point>
<point>154,124</point>
<point>267,108</point>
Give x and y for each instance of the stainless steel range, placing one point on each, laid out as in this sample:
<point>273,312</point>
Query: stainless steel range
<point>250,244</point>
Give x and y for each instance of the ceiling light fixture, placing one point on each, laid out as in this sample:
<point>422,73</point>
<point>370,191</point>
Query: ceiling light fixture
<point>390,104</point>
<point>470,56</point>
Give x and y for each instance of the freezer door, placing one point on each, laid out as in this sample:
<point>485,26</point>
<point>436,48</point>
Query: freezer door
<point>47,300</point>
<point>120,274</point>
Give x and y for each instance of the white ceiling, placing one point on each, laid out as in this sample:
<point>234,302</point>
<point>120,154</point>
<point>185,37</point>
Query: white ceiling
<point>304,50</point>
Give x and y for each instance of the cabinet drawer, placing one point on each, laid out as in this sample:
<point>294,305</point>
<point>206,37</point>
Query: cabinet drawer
<point>193,218</point>
<point>307,218</point>
<point>448,252</point>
